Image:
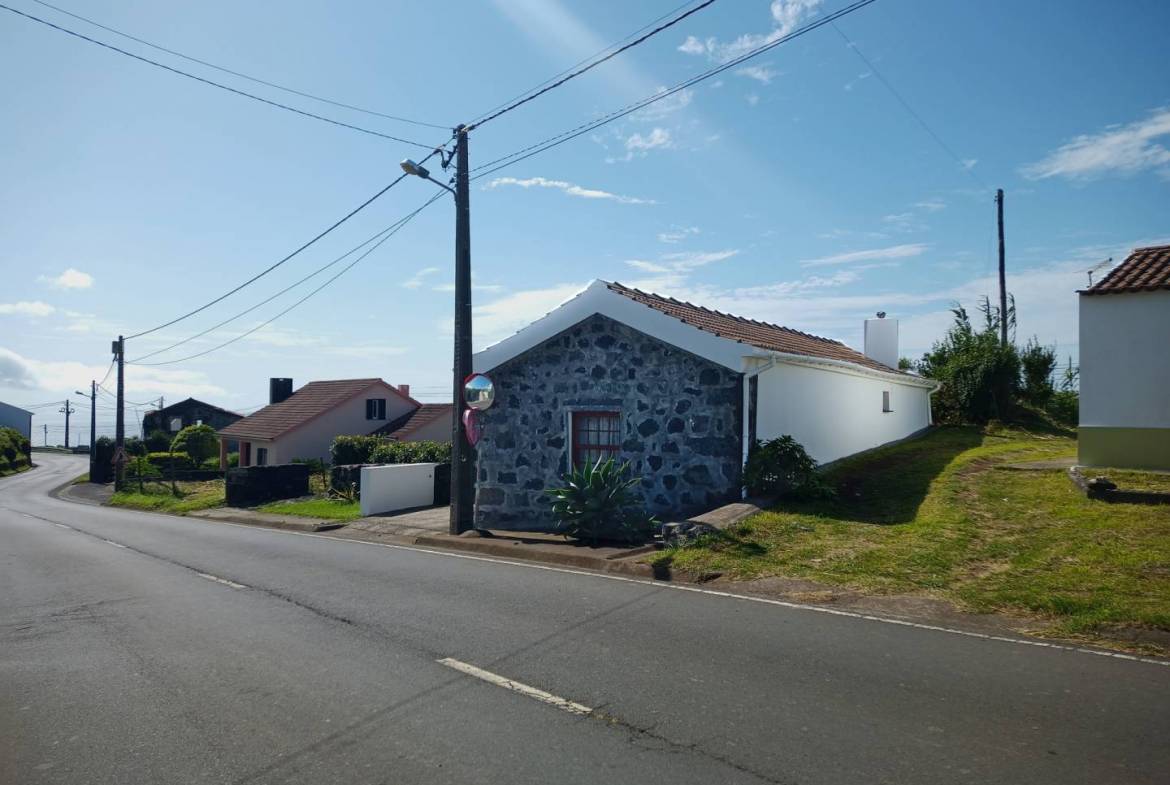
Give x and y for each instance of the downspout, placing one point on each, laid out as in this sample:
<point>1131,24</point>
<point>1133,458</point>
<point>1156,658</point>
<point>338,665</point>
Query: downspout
<point>746,401</point>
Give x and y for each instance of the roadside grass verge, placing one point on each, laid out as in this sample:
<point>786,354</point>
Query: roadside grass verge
<point>1129,480</point>
<point>157,497</point>
<point>328,509</point>
<point>935,516</point>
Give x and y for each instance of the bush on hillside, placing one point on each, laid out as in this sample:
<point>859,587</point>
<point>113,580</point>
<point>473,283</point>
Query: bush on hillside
<point>198,441</point>
<point>782,467</point>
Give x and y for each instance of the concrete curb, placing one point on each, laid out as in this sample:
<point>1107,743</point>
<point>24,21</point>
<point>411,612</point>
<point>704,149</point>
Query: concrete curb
<point>267,522</point>
<point>517,551</point>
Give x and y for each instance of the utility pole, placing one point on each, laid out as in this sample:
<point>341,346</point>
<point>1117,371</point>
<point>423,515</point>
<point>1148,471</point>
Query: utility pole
<point>92,423</point>
<point>119,417</point>
<point>1003,314</point>
<point>67,409</point>
<point>462,463</point>
<point>46,432</point>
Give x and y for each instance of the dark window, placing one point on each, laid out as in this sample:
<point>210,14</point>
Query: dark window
<point>886,401</point>
<point>375,408</point>
<point>261,456</point>
<point>595,435</point>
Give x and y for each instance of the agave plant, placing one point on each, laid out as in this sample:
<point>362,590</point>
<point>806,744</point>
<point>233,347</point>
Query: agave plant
<point>597,503</point>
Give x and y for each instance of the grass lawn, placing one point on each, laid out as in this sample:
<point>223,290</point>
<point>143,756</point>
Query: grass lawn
<point>158,497</point>
<point>328,509</point>
<point>935,516</point>
<point>1128,480</point>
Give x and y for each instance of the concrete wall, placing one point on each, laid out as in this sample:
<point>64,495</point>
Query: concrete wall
<point>835,413</point>
<point>397,487</point>
<point>680,423</point>
<point>313,439</point>
<point>21,420</point>
<point>1125,379</point>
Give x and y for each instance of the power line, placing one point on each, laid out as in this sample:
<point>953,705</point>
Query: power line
<point>401,223</point>
<point>963,164</point>
<point>189,58</point>
<point>572,133</point>
<point>591,66</point>
<point>265,301</point>
<point>598,53</point>
<point>206,81</point>
<point>272,267</point>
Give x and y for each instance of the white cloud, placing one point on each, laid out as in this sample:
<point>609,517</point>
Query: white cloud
<point>787,15</point>
<point>1123,149</point>
<point>63,377</point>
<point>659,137</point>
<point>673,269</point>
<point>70,279</point>
<point>677,234</point>
<point>416,280</point>
<point>931,205</point>
<point>893,252</point>
<point>27,308</point>
<point>761,73</point>
<point>568,188</point>
<point>663,107</point>
<point>500,318</point>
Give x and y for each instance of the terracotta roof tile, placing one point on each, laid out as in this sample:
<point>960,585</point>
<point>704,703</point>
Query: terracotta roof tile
<point>755,333</point>
<point>1144,270</point>
<point>424,415</point>
<point>306,403</point>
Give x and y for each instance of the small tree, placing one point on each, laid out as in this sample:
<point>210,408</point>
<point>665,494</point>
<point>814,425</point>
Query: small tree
<point>198,441</point>
<point>1037,364</point>
<point>158,441</point>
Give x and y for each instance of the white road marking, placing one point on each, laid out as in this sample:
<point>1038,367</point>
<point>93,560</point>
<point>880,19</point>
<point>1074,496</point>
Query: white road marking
<point>63,526</point>
<point>224,581</point>
<point>564,704</point>
<point>712,592</point>
<point>115,544</point>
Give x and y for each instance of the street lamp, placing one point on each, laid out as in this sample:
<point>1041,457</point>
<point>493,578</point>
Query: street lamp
<point>462,463</point>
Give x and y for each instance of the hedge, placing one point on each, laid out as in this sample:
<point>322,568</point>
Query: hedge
<point>15,450</point>
<point>353,449</point>
<point>166,460</point>
<point>347,450</point>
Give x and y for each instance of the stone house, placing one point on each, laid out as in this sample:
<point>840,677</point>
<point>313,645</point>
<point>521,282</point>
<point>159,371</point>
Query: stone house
<point>174,418</point>
<point>1125,364</point>
<point>680,392</point>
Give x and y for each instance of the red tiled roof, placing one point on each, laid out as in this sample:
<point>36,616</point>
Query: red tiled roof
<point>424,415</point>
<point>1144,270</point>
<point>313,399</point>
<point>761,334</point>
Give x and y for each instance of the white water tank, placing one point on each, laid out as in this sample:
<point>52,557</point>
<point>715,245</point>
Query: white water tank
<point>881,340</point>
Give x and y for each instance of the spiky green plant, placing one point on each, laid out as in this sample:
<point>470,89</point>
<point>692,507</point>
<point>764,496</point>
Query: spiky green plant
<point>598,503</point>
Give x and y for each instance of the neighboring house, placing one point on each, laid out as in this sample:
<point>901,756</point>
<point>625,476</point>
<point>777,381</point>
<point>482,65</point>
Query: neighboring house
<point>15,417</point>
<point>1125,364</point>
<point>304,424</point>
<point>680,392</point>
<point>430,422</point>
<point>174,418</point>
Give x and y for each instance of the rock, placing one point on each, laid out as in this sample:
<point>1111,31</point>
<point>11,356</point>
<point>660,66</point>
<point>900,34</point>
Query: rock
<point>675,535</point>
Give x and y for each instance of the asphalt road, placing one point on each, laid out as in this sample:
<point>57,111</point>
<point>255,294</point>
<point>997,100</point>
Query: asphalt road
<point>313,660</point>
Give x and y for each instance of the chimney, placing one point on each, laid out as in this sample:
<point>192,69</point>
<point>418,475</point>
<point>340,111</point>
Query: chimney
<point>881,340</point>
<point>279,390</point>
<point>404,389</point>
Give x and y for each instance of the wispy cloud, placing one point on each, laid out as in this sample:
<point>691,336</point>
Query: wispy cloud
<point>664,107</point>
<point>70,279</point>
<point>673,269</point>
<point>567,188</point>
<point>893,252</point>
<point>787,15</point>
<point>27,308</point>
<point>931,205</point>
<point>1124,149</point>
<point>761,73</point>
<point>752,99</point>
<point>658,137</point>
<point>500,318</point>
<point>677,234</point>
<point>417,280</point>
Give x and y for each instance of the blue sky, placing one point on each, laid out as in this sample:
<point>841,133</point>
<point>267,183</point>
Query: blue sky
<point>795,189</point>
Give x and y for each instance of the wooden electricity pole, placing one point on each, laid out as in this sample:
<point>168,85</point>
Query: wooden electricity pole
<point>462,463</point>
<point>1003,314</point>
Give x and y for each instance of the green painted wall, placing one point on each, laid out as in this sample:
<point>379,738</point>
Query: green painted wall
<point>1124,448</point>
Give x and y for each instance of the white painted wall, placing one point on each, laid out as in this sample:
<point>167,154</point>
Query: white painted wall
<point>881,341</point>
<point>834,413</point>
<point>1125,359</point>
<point>313,439</point>
<point>397,487</point>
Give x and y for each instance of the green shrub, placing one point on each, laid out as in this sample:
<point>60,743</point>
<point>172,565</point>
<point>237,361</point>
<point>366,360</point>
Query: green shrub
<point>353,449</point>
<point>167,460</point>
<point>198,441</point>
<point>158,441</point>
<point>411,452</point>
<point>141,467</point>
<point>134,446</point>
<point>597,503</point>
<point>782,467</point>
<point>1064,407</point>
<point>233,459</point>
<point>1036,366</point>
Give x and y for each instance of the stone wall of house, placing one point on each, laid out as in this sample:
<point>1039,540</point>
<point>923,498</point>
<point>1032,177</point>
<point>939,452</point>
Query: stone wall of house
<point>680,420</point>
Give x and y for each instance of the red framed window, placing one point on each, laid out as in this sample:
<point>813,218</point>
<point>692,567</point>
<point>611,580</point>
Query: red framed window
<point>596,435</point>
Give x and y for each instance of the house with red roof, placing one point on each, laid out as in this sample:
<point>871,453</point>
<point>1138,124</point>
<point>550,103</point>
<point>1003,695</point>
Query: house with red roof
<point>680,392</point>
<point>303,424</point>
<point>1125,364</point>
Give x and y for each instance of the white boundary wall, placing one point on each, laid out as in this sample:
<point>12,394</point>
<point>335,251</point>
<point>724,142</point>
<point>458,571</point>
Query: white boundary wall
<point>397,487</point>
